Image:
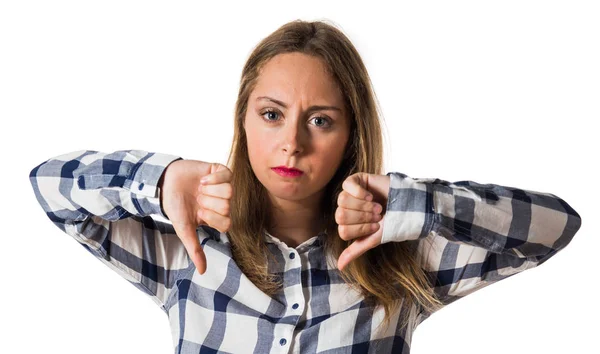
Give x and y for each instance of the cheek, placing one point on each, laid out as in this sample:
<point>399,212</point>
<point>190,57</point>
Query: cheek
<point>330,156</point>
<point>257,146</point>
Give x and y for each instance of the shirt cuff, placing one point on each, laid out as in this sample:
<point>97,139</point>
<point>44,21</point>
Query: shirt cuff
<point>410,209</point>
<point>144,181</point>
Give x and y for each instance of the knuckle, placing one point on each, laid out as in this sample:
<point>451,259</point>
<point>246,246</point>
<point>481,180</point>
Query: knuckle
<point>343,232</point>
<point>346,183</point>
<point>228,191</point>
<point>338,212</point>
<point>342,217</point>
<point>206,215</point>
<point>226,209</point>
<point>227,224</point>
<point>343,197</point>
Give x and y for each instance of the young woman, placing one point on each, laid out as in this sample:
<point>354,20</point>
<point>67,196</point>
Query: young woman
<point>300,244</point>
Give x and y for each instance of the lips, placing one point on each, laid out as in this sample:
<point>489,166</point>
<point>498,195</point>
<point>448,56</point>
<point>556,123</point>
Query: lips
<point>288,169</point>
<point>287,172</point>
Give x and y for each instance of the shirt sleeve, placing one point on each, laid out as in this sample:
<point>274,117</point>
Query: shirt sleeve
<point>104,201</point>
<point>470,235</point>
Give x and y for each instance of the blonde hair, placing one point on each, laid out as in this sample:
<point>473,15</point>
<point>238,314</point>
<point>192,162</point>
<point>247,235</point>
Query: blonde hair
<point>385,275</point>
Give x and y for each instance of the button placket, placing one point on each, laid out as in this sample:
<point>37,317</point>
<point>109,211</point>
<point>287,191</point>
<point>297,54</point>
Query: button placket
<point>293,265</point>
<point>292,255</point>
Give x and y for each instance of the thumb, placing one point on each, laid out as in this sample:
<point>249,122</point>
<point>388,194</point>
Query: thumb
<point>189,238</point>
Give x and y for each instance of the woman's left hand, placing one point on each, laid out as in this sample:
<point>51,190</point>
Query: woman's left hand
<point>359,217</point>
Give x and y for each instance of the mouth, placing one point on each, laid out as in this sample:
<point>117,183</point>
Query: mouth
<point>287,172</point>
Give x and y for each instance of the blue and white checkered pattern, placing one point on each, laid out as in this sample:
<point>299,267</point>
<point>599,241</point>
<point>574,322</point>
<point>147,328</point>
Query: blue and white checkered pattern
<point>468,236</point>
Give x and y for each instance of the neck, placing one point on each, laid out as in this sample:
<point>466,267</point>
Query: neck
<point>295,221</point>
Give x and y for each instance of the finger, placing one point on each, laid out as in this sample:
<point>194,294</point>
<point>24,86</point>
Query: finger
<point>355,250</point>
<point>189,238</point>
<point>348,201</point>
<point>351,217</point>
<point>353,185</point>
<point>222,190</point>
<point>349,232</point>
<point>218,205</point>
<point>215,220</point>
<point>221,175</point>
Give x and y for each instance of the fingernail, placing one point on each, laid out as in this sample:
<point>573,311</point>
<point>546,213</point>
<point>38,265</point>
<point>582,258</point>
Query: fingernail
<point>203,181</point>
<point>378,208</point>
<point>369,197</point>
<point>374,227</point>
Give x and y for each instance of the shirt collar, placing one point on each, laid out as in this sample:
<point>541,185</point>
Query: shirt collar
<point>314,241</point>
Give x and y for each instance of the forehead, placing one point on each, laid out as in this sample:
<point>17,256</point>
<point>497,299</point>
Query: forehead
<point>291,74</point>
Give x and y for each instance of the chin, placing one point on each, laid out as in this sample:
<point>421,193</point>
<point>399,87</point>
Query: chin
<point>287,192</point>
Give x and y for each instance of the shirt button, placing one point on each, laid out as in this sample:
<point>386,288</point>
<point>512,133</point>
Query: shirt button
<point>282,341</point>
<point>141,186</point>
<point>295,306</point>
<point>292,255</point>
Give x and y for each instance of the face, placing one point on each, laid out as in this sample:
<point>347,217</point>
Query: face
<point>296,118</point>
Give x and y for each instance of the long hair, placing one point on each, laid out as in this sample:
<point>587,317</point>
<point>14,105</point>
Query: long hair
<point>387,275</point>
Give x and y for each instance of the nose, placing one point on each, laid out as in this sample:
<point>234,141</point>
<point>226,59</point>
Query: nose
<point>293,137</point>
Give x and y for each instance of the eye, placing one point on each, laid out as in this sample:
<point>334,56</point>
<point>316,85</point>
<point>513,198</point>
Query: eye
<point>271,112</point>
<point>322,119</point>
<point>322,122</point>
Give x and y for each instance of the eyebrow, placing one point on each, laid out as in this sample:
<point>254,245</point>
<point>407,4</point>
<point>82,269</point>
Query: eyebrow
<point>311,108</point>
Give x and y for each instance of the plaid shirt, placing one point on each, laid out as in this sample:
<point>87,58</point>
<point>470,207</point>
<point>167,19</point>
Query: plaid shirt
<point>468,236</point>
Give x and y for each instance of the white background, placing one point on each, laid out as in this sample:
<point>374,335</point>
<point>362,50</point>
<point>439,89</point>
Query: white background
<point>493,92</point>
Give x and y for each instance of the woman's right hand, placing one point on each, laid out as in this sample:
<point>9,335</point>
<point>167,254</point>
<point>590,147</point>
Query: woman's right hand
<point>188,203</point>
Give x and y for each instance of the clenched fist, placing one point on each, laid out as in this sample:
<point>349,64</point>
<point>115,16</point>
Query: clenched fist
<point>189,202</point>
<point>360,213</point>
